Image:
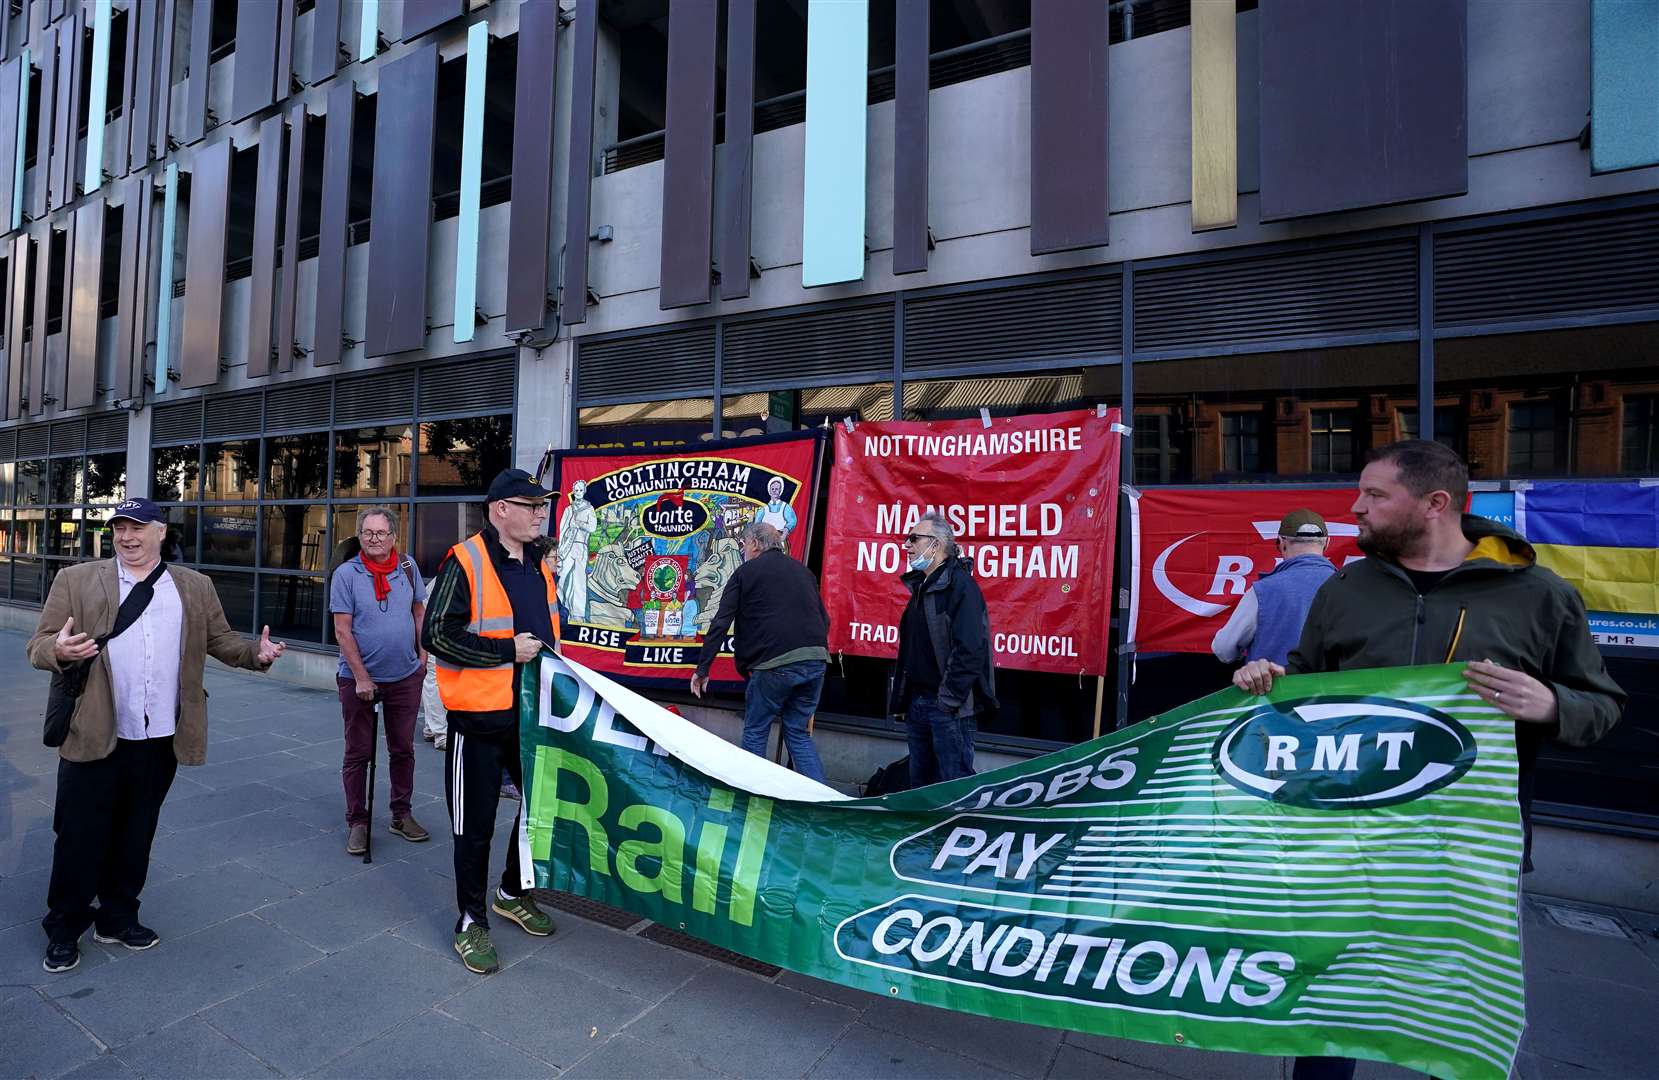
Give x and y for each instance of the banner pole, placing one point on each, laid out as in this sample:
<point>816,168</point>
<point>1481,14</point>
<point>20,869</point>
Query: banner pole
<point>1099,700</point>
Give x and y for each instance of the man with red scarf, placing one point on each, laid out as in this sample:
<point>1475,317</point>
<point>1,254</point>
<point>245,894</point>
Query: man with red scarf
<point>376,599</point>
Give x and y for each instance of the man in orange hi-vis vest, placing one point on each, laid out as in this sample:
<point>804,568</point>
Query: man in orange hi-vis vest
<point>491,609</point>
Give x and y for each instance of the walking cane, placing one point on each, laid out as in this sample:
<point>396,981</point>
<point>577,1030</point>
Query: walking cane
<point>374,753</point>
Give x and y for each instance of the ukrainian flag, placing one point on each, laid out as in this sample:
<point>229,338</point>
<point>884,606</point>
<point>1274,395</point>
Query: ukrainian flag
<point>1603,538</point>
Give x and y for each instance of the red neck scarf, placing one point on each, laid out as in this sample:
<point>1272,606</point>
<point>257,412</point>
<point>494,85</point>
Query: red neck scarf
<point>382,572</point>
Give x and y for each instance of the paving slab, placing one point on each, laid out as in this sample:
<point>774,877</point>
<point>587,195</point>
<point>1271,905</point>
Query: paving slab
<point>192,1049</point>
<point>39,1039</point>
<point>193,811</point>
<point>546,1010</point>
<point>105,1066</point>
<point>435,1045</point>
<point>619,960</point>
<point>624,1058</point>
<point>190,850</point>
<point>1018,1049</point>
<point>314,861</point>
<point>1178,1061</point>
<point>358,907</point>
<point>876,1054</point>
<point>1076,1063</point>
<point>192,903</point>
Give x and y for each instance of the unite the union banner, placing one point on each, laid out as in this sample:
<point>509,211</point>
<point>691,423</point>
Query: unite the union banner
<point>1331,869</point>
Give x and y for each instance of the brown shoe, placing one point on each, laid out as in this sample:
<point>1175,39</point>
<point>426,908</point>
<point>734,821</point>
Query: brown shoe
<point>410,829</point>
<point>357,840</point>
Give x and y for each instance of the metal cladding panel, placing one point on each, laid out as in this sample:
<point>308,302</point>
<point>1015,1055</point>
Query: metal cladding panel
<point>646,366</point>
<point>124,94</point>
<point>910,107</point>
<point>141,26</point>
<point>56,105</point>
<point>1362,104</point>
<point>331,237</point>
<point>288,294</point>
<point>419,16</point>
<point>201,59</point>
<point>161,134</point>
<point>17,354</point>
<point>97,101</point>
<point>37,347</point>
<point>10,82</point>
<point>132,295</point>
<point>256,58</point>
<point>282,79</point>
<point>1072,320</point>
<point>737,170</point>
<point>1068,125</point>
<point>204,265</point>
<point>325,41</point>
<point>1214,115</point>
<point>86,273</point>
<point>532,204</point>
<point>48,57</point>
<point>688,155</point>
<point>266,209</point>
<point>400,226</point>
<point>65,159</point>
<point>852,344</point>
<point>574,298</point>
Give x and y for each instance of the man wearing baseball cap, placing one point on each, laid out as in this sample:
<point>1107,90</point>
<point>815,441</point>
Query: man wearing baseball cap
<point>142,714</point>
<point>1268,619</point>
<point>493,607</point>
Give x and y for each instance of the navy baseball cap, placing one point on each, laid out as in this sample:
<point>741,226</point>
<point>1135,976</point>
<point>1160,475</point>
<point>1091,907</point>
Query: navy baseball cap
<point>142,511</point>
<point>515,484</point>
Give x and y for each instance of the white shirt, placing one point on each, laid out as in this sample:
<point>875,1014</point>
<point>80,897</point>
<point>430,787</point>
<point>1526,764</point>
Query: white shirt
<point>144,662</point>
<point>1233,640</point>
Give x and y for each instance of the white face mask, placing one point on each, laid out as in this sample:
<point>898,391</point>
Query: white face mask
<point>919,562</point>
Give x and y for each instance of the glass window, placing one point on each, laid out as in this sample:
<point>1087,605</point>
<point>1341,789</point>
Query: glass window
<point>106,478</point>
<point>1008,395</point>
<point>1331,440</point>
<point>236,597</point>
<point>645,425</point>
<point>5,530</point>
<point>292,607</point>
<point>439,527</point>
<point>1639,445</point>
<point>345,526</point>
<point>228,535</point>
<point>1159,440</point>
<point>294,536</point>
<point>97,542</point>
<point>26,581</point>
<point>63,532</point>
<point>1445,425</point>
<point>180,545</point>
<point>5,575</point>
<point>29,533</point>
<point>231,471</point>
<point>65,481</point>
<point>296,466</point>
<point>373,462</point>
<point>786,410</point>
<point>462,456</point>
<point>8,483</point>
<point>1535,430</point>
<point>31,483</point>
<point>174,471</point>
<point>1241,441</point>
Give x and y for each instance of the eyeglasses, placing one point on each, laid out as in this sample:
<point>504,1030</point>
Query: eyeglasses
<point>374,534</point>
<point>914,538</point>
<point>533,507</point>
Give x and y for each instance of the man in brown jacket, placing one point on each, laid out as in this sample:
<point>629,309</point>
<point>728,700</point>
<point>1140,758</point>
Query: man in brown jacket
<point>142,714</point>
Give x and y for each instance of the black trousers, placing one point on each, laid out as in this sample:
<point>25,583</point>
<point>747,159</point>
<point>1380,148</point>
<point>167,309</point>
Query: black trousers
<point>105,819</point>
<point>473,765</point>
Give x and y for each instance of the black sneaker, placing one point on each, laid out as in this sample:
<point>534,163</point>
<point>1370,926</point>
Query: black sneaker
<point>134,937</point>
<point>61,957</point>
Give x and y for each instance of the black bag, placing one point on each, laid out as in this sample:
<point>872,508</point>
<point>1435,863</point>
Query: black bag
<point>888,779</point>
<point>68,683</point>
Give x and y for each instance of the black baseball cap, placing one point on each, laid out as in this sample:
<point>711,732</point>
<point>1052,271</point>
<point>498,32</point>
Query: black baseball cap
<point>142,511</point>
<point>515,484</point>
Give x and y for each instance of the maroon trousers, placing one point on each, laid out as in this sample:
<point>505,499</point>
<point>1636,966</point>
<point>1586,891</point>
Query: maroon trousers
<point>402,701</point>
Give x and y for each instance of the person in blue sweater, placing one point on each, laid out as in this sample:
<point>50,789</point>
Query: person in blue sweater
<point>1268,619</point>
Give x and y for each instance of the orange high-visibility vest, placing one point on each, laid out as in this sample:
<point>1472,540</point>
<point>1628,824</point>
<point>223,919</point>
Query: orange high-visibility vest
<point>486,689</point>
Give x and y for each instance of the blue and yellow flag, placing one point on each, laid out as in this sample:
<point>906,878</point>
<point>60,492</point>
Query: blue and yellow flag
<point>1604,539</point>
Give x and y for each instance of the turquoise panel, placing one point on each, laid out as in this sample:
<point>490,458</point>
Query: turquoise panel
<point>22,130</point>
<point>164,288</point>
<point>368,30</point>
<point>1624,84</point>
<point>837,73</point>
<point>472,172</point>
<point>97,98</point>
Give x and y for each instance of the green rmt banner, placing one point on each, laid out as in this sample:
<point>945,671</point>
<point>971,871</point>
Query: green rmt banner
<point>1328,870</point>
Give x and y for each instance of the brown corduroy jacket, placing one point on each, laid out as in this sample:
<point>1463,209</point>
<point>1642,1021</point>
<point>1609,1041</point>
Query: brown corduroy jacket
<point>90,593</point>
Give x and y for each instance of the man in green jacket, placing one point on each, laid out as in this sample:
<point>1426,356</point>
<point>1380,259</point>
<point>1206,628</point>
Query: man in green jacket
<point>1441,586</point>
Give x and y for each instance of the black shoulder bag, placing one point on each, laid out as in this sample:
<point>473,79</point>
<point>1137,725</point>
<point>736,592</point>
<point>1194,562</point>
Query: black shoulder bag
<point>68,683</point>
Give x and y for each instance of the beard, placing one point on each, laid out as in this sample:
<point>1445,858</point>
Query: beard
<point>1391,542</point>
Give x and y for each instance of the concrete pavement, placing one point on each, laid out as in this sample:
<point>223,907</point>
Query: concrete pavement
<point>283,956</point>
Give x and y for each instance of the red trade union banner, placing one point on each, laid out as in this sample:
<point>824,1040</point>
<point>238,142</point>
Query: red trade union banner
<point>1033,502</point>
<point>647,541</point>
<point>1195,553</point>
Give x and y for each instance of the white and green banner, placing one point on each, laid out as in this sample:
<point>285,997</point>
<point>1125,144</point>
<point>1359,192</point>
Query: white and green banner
<point>1328,870</point>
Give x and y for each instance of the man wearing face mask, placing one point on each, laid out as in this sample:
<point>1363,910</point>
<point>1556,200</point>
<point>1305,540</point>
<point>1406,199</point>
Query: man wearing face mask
<point>943,679</point>
<point>781,648</point>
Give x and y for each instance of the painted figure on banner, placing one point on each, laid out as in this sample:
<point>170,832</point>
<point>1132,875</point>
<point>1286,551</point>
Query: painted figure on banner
<point>611,580</point>
<point>576,525</point>
<point>724,557</point>
<point>778,514</point>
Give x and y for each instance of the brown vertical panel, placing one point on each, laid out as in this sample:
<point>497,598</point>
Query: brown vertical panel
<point>419,16</point>
<point>910,106</point>
<point>204,265</point>
<point>141,28</point>
<point>86,274</point>
<point>331,238</point>
<point>37,347</point>
<point>574,299</point>
<point>688,154</point>
<point>265,212</point>
<point>532,205</point>
<point>325,41</point>
<point>166,31</point>
<point>40,193</point>
<point>11,73</point>
<point>1068,125</point>
<point>283,78</point>
<point>256,60</point>
<point>195,91</point>
<point>400,224</point>
<point>17,354</point>
<point>129,301</point>
<point>288,297</point>
<point>737,171</point>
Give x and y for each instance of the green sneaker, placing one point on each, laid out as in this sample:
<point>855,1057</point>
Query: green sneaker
<point>477,952</point>
<point>523,910</point>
